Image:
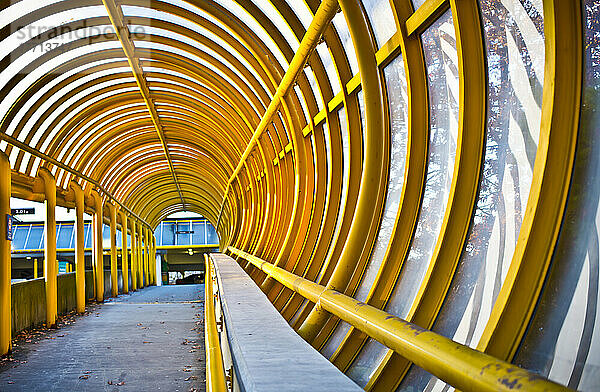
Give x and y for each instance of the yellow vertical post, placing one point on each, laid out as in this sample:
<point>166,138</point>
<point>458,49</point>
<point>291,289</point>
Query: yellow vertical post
<point>147,258</point>
<point>5,258</point>
<point>153,259</point>
<point>140,257</point>
<point>35,269</point>
<point>134,284</point>
<point>98,250</point>
<point>50,264</point>
<point>114,278</point>
<point>124,252</point>
<point>79,246</point>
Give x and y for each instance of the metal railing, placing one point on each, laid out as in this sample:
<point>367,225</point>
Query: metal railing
<point>456,364</point>
<point>215,372</point>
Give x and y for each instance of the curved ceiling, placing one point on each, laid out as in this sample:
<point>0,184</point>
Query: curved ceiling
<point>156,100</point>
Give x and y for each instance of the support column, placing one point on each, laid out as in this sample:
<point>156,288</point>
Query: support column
<point>5,258</point>
<point>147,256</point>
<point>140,256</point>
<point>154,281</point>
<point>50,262</point>
<point>35,269</point>
<point>133,257</point>
<point>98,248</point>
<point>79,247</point>
<point>114,276</point>
<point>124,252</point>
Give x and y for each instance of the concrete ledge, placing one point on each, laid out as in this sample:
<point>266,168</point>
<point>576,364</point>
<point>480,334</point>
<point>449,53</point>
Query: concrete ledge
<point>267,353</point>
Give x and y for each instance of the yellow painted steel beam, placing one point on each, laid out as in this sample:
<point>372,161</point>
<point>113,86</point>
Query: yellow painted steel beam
<point>115,14</point>
<point>50,261</point>
<point>458,365</point>
<point>323,16</point>
<point>124,252</point>
<point>215,371</point>
<point>5,259</point>
<point>134,255</point>
<point>98,249</point>
<point>79,246</point>
<point>114,281</point>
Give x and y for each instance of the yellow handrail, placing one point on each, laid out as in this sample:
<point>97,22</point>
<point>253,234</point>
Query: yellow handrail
<point>215,374</point>
<point>458,365</point>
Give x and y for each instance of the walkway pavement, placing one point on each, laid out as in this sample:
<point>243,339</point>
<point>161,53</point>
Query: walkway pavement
<point>151,340</point>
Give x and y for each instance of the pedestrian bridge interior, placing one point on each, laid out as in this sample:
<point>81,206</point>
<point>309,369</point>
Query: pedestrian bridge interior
<point>413,184</point>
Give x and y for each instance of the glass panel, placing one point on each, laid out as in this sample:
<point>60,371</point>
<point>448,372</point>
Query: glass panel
<point>158,234</point>
<point>440,58</point>
<point>211,234</point>
<point>87,234</point>
<point>106,236</point>
<point>366,363</point>
<point>373,352</point>
<point>345,178</point>
<point>382,20</point>
<point>35,237</point>
<point>342,29</point>
<point>63,237</point>
<point>329,66</point>
<point>418,3</point>
<point>183,233</point>
<point>563,340</point>
<point>398,101</point>
<point>513,45</point>
<point>168,233</point>
<point>199,236</point>
<point>20,236</point>
<point>335,339</point>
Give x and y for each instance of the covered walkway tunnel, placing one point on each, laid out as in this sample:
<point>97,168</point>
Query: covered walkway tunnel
<point>413,184</point>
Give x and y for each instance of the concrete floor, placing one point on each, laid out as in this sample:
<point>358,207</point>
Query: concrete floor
<point>151,340</point>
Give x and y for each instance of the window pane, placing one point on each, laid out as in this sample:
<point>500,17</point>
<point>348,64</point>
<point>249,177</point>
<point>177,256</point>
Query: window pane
<point>562,342</point>
<point>370,356</point>
<point>168,233</point>
<point>35,237</point>
<point>199,236</point>
<point>440,58</point>
<point>63,238</point>
<point>183,236</point>
<point>381,18</point>
<point>19,237</point>
<point>212,237</point>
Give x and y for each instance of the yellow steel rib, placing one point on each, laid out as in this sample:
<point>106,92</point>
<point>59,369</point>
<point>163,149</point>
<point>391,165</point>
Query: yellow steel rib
<point>323,16</point>
<point>117,19</point>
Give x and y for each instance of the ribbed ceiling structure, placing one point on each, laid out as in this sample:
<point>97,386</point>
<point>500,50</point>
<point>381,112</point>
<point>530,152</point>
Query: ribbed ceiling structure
<point>421,156</point>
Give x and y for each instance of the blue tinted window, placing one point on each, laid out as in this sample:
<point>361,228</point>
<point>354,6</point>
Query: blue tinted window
<point>87,235</point>
<point>212,237</point>
<point>105,233</point>
<point>158,234</point>
<point>183,233</point>
<point>64,233</point>
<point>168,233</point>
<point>19,236</point>
<point>36,236</point>
<point>199,235</point>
